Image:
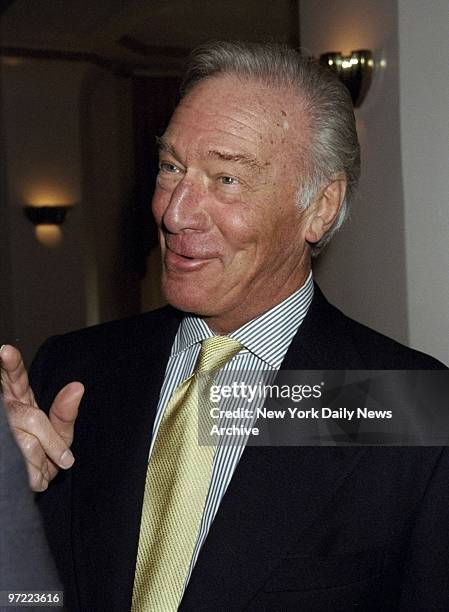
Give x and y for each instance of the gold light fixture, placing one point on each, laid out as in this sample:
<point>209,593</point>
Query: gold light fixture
<point>354,70</point>
<point>47,221</point>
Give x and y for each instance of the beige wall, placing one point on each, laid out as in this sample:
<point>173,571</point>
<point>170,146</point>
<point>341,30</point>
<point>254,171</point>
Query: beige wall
<point>67,138</point>
<point>5,254</point>
<point>389,266</point>
<point>424,89</point>
<point>363,270</point>
<point>41,148</point>
<point>107,183</point>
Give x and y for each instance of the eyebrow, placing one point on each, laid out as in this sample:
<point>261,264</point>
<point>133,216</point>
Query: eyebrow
<point>242,158</point>
<point>164,145</point>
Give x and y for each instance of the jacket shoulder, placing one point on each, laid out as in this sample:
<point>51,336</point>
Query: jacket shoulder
<point>381,352</point>
<point>119,334</point>
<point>107,347</point>
<point>335,341</point>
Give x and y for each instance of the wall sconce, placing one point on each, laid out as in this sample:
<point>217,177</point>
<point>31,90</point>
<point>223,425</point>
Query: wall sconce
<point>354,70</point>
<point>47,221</point>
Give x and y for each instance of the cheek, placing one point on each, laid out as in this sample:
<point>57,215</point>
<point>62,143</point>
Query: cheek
<point>238,226</point>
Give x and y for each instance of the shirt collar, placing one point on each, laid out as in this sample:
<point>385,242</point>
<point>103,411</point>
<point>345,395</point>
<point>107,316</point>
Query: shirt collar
<point>268,336</point>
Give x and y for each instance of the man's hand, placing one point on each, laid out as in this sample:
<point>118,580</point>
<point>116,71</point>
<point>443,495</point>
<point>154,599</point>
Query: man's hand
<point>44,441</point>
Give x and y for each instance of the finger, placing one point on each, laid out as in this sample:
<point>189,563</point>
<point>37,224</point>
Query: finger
<point>14,377</point>
<point>52,470</point>
<point>36,479</point>
<point>35,460</point>
<point>31,449</point>
<point>64,410</point>
<point>33,421</point>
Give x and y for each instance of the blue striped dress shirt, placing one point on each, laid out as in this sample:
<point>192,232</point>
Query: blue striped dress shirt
<point>265,341</point>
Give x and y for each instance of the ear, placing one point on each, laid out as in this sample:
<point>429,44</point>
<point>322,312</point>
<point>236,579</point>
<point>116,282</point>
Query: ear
<point>324,209</point>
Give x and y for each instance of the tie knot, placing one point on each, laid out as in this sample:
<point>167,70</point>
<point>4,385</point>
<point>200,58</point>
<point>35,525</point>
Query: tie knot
<point>216,351</point>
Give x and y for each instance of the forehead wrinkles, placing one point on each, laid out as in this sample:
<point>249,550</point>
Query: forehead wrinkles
<point>202,123</point>
<point>206,113</point>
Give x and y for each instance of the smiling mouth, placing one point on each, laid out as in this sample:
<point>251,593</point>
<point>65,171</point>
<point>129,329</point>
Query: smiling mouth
<point>179,262</point>
<point>184,256</point>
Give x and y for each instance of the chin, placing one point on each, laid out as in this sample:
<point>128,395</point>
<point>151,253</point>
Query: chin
<point>188,297</point>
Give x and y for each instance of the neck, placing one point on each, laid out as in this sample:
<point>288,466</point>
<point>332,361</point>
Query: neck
<point>229,322</point>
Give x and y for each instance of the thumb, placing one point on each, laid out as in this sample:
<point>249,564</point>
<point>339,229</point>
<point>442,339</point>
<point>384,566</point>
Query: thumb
<point>64,410</point>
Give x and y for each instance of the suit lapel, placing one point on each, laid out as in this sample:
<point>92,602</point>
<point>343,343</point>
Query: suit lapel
<point>113,468</point>
<point>276,492</point>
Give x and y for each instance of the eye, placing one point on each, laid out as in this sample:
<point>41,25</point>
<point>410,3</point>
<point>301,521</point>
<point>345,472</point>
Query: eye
<point>228,180</point>
<point>168,167</point>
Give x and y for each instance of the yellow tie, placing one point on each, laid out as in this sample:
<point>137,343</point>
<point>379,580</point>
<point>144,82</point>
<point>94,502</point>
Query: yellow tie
<point>176,486</point>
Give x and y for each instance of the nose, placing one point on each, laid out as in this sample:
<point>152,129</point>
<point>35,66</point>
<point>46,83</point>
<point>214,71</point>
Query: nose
<point>186,208</point>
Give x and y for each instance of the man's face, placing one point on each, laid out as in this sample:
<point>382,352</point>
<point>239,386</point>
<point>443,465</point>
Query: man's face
<point>233,240</point>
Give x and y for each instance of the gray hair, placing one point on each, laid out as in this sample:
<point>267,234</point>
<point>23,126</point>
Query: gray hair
<point>333,148</point>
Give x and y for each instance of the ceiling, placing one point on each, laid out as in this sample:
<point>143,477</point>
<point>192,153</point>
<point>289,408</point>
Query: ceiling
<point>140,33</point>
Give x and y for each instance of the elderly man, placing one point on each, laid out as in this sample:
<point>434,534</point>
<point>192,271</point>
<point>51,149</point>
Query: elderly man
<point>257,166</point>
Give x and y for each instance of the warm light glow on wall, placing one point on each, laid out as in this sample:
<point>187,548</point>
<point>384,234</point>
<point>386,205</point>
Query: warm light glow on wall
<point>48,195</point>
<point>12,61</point>
<point>48,235</point>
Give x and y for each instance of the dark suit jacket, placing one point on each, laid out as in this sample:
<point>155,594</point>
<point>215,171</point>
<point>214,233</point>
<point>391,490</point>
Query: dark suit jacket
<point>298,529</point>
<point>25,559</point>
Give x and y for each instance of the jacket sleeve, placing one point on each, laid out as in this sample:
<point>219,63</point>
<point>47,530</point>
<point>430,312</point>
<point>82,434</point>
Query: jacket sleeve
<point>25,561</point>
